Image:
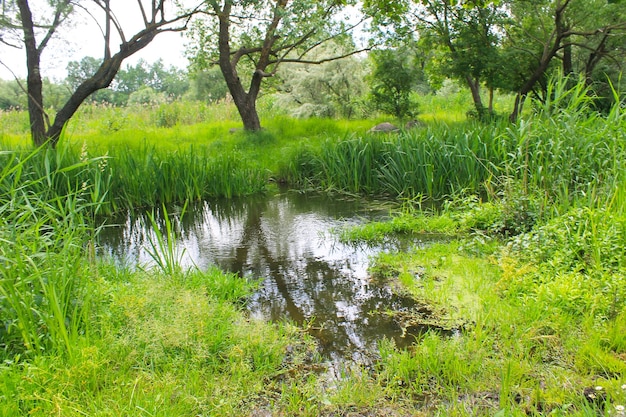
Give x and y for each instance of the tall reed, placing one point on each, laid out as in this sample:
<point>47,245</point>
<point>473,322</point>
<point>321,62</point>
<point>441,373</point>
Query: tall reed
<point>163,249</point>
<point>149,177</point>
<point>564,152</point>
<point>45,230</point>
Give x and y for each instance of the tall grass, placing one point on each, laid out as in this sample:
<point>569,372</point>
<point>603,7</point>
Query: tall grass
<point>44,230</point>
<point>144,177</point>
<point>564,152</point>
<point>150,177</point>
<point>163,249</point>
<point>436,161</point>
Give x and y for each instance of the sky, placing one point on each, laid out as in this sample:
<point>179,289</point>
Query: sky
<point>85,39</point>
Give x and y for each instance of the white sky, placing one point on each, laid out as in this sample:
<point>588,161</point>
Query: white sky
<point>85,39</point>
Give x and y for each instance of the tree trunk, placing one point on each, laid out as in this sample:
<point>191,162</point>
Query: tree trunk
<point>246,106</point>
<point>568,67</point>
<point>34,83</point>
<point>595,56</point>
<point>245,103</point>
<point>474,86</point>
<point>517,107</point>
<point>101,79</point>
<point>549,52</point>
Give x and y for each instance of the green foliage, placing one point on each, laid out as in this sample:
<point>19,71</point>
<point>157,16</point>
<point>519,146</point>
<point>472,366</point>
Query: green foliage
<point>44,229</point>
<point>533,327</point>
<point>332,89</point>
<point>145,96</point>
<point>142,83</point>
<point>393,78</point>
<point>511,212</point>
<point>11,95</point>
<point>165,345</point>
<point>583,240</point>
<point>208,85</point>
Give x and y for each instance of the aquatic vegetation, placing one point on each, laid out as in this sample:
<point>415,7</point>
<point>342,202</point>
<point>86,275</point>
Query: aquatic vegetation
<point>530,284</point>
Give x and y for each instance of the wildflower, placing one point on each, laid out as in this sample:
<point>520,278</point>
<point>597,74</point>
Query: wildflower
<point>619,408</point>
<point>599,388</point>
<point>624,386</point>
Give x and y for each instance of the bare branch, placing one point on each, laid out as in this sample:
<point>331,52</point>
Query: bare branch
<point>58,19</point>
<point>25,91</point>
<point>143,13</point>
<point>7,43</point>
<point>321,61</point>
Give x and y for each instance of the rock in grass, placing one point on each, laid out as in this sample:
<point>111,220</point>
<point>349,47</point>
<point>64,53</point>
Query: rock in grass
<point>385,127</point>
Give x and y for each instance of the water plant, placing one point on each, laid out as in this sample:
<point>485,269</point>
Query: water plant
<point>163,248</point>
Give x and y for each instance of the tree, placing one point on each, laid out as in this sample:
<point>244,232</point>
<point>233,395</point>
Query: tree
<point>207,85</point>
<point>11,96</point>
<point>392,81</point>
<point>171,82</point>
<point>330,89</point>
<point>79,71</point>
<point>255,37</point>
<point>511,44</point>
<point>545,31</point>
<point>462,36</point>
<point>52,16</point>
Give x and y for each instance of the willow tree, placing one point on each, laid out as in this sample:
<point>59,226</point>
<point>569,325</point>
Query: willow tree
<point>34,27</point>
<point>250,39</point>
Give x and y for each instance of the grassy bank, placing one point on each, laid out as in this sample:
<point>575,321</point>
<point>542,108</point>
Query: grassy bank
<point>529,294</point>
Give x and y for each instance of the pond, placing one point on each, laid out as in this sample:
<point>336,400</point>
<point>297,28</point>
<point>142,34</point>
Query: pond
<point>286,240</point>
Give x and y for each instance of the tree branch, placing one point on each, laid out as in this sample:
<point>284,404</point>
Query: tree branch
<point>321,61</point>
<point>58,19</point>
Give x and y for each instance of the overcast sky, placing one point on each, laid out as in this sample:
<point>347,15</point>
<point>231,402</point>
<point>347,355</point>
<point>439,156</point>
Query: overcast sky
<point>85,39</point>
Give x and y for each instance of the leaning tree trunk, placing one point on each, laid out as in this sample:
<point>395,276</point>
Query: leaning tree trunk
<point>249,116</point>
<point>228,60</point>
<point>101,79</point>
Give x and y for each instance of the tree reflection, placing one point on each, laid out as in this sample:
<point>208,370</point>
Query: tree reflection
<point>305,276</point>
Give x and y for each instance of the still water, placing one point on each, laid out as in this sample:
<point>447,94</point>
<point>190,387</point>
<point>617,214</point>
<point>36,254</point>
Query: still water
<point>286,241</point>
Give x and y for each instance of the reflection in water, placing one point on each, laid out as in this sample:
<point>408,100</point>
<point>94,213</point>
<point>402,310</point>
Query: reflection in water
<point>284,240</point>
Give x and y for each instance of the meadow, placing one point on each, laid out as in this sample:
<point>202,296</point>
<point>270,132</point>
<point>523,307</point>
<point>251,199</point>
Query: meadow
<point>531,284</point>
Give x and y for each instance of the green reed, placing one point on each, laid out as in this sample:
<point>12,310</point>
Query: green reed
<point>148,177</point>
<point>564,152</point>
<point>163,249</point>
<point>435,161</point>
<point>45,228</point>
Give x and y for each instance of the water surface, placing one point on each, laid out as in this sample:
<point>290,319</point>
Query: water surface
<point>286,241</point>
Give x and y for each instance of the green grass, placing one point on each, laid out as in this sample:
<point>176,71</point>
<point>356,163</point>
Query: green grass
<point>161,345</point>
<point>531,283</point>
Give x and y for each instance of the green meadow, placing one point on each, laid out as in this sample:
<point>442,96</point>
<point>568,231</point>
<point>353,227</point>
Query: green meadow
<point>529,287</point>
